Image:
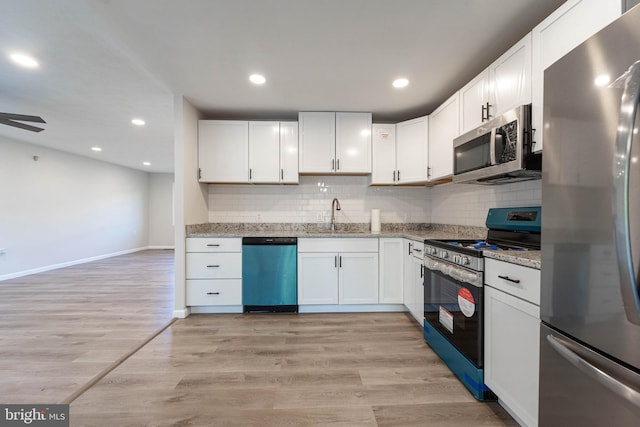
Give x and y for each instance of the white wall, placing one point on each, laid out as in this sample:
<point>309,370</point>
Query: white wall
<point>161,222</point>
<point>310,201</point>
<point>467,204</point>
<point>65,208</point>
<point>190,195</point>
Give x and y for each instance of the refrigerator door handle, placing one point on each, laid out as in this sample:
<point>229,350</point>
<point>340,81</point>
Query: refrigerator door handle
<point>616,386</point>
<point>621,164</point>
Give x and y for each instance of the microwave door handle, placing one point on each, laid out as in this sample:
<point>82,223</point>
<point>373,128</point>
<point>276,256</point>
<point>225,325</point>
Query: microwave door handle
<point>621,215</point>
<point>492,147</point>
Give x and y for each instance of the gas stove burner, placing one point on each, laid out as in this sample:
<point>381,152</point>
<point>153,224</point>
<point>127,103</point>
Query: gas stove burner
<point>481,245</point>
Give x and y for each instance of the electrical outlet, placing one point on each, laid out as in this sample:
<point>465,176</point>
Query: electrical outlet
<point>319,217</point>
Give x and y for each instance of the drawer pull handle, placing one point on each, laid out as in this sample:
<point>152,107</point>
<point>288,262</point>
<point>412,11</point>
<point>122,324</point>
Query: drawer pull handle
<point>213,293</point>
<point>509,279</point>
<point>213,245</point>
<point>213,266</point>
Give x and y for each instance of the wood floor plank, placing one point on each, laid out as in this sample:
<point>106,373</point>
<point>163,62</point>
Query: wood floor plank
<point>59,329</point>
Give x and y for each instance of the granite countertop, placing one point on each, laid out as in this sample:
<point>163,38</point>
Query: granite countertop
<point>409,231</point>
<point>525,258</point>
<point>415,231</point>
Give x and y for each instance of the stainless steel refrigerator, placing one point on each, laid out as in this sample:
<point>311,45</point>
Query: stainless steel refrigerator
<point>590,303</point>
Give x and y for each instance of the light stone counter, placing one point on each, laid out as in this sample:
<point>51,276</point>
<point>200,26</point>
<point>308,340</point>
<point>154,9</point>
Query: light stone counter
<point>525,258</point>
<point>408,231</point>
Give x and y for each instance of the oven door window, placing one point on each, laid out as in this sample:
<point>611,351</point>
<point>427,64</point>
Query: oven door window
<point>455,309</point>
<point>472,155</point>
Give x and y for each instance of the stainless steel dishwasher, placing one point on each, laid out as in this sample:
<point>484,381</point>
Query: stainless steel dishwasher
<point>270,274</point>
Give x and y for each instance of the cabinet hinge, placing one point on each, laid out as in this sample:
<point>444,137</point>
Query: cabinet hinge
<point>199,173</point>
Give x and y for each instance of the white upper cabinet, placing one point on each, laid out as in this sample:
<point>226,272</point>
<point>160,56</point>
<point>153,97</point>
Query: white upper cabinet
<point>289,152</point>
<point>443,128</point>
<point>510,78</point>
<point>273,152</point>
<point>223,150</point>
<point>563,30</point>
<point>412,150</point>
<point>353,143</point>
<point>317,142</point>
<point>334,142</point>
<point>264,152</point>
<point>474,99</point>
<point>505,84</point>
<point>383,170</point>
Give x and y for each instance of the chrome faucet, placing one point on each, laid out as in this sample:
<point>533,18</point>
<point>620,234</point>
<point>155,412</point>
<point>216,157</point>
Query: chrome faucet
<point>335,206</point>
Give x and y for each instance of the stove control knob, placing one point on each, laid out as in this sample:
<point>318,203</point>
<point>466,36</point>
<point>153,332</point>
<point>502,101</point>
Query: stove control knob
<point>444,254</point>
<point>464,260</point>
<point>456,259</point>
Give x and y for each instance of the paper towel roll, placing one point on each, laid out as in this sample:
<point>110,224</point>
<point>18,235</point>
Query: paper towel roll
<point>375,221</point>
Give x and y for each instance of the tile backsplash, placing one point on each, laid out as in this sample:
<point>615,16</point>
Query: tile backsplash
<point>467,204</point>
<point>310,201</point>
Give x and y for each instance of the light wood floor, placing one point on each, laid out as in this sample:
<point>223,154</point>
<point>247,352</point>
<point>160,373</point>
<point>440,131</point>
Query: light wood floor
<point>60,328</point>
<point>218,370</point>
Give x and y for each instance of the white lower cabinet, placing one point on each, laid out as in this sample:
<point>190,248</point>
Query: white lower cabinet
<point>391,271</point>
<point>337,271</point>
<point>413,278</point>
<point>511,343</point>
<point>214,272</point>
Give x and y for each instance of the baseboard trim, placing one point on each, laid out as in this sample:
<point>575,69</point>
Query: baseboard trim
<point>182,314</point>
<point>212,309</point>
<point>351,308</point>
<point>68,264</point>
<point>161,247</point>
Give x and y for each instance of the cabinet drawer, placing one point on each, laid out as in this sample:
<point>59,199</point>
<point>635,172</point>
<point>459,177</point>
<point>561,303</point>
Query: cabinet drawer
<point>367,244</point>
<point>214,265</point>
<point>214,292</point>
<point>214,244</point>
<point>516,280</point>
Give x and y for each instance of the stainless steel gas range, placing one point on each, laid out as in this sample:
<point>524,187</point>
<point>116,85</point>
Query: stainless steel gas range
<point>454,296</point>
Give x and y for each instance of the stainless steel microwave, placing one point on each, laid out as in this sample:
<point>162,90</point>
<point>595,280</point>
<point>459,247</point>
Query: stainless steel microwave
<point>498,151</point>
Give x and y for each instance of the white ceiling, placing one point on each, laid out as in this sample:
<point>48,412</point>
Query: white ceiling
<point>103,62</point>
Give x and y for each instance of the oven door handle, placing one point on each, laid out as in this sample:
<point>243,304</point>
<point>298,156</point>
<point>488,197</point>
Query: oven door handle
<point>456,272</point>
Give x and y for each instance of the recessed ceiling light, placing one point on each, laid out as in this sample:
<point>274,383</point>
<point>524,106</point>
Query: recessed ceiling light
<point>400,83</point>
<point>146,163</point>
<point>24,60</point>
<point>257,79</point>
<point>138,122</point>
<point>602,80</point>
<point>96,148</point>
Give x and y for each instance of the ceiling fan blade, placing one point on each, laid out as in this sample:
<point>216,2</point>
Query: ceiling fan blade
<point>10,120</point>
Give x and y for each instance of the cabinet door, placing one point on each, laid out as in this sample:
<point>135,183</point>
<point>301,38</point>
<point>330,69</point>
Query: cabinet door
<point>411,149</point>
<point>353,142</point>
<point>223,150</point>
<point>408,282</point>
<point>473,96</point>
<point>510,78</point>
<point>289,152</point>
<point>391,271</point>
<point>317,137</point>
<point>264,152</point>
<point>383,170</point>
<point>563,30</point>
<point>512,352</point>
<point>317,278</point>
<point>443,128</point>
<point>417,307</point>
<point>358,278</point>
